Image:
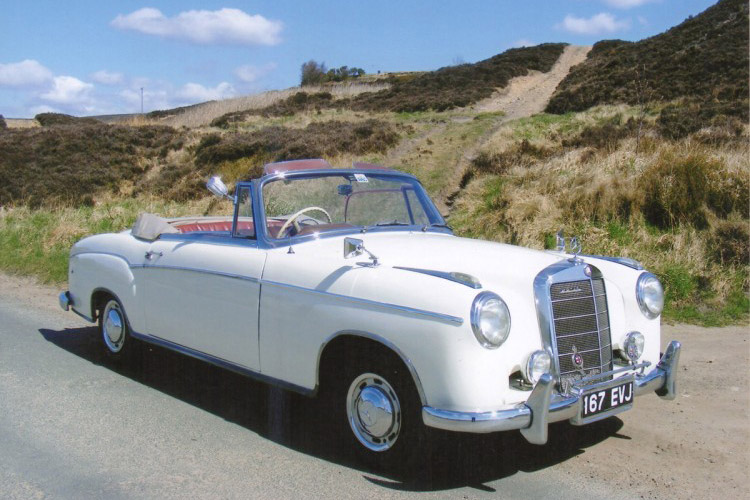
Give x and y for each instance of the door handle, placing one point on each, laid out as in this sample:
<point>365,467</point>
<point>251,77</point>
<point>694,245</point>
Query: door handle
<point>151,254</point>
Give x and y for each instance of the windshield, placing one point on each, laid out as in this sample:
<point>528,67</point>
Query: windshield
<point>326,202</point>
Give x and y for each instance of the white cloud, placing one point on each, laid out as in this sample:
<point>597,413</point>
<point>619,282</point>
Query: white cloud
<point>224,26</point>
<point>250,74</point>
<point>108,78</point>
<point>24,73</point>
<point>195,92</point>
<point>523,42</point>
<point>626,4</point>
<point>68,90</point>
<point>595,25</point>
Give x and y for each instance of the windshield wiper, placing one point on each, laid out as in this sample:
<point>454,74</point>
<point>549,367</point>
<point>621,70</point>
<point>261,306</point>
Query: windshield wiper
<point>394,223</point>
<point>446,226</point>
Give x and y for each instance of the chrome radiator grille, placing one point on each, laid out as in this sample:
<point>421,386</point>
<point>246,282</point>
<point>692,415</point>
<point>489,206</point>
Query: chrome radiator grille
<point>581,326</point>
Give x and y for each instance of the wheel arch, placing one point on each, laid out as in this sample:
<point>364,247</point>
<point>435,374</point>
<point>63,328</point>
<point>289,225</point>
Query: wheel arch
<point>341,342</point>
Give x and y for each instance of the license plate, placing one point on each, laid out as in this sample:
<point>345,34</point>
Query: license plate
<point>612,398</point>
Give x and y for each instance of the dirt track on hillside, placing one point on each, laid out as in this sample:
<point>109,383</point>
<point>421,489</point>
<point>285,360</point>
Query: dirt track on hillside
<point>529,94</point>
<point>523,96</point>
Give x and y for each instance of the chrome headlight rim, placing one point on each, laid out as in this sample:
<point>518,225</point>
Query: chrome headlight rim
<point>645,281</point>
<point>481,301</point>
<point>528,372</point>
<point>637,341</point>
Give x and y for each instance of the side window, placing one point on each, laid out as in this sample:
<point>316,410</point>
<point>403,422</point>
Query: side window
<point>244,226</point>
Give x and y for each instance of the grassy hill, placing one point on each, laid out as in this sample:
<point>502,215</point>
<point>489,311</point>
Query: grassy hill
<point>705,58</point>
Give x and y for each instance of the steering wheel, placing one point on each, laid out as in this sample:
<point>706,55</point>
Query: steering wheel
<point>293,219</point>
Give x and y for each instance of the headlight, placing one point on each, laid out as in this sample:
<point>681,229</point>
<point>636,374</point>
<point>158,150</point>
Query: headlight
<point>490,320</point>
<point>650,295</point>
<point>539,363</point>
<point>633,345</point>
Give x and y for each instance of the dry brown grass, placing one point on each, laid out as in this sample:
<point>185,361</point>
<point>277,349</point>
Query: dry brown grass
<point>604,196</point>
<point>21,123</point>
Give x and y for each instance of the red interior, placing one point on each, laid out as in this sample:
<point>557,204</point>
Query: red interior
<point>224,225</point>
<point>247,227</point>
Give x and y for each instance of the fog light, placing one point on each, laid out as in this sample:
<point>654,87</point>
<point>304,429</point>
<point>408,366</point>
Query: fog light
<point>633,345</point>
<point>539,363</point>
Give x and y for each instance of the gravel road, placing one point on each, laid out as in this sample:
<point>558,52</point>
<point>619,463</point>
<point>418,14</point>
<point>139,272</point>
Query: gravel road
<point>75,425</point>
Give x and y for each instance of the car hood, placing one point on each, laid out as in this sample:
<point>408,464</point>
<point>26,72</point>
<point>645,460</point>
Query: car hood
<point>493,264</point>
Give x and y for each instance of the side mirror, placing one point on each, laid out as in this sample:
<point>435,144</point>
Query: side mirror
<point>217,187</point>
<point>353,248</point>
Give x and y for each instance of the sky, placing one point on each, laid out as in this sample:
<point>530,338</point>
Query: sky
<point>93,57</point>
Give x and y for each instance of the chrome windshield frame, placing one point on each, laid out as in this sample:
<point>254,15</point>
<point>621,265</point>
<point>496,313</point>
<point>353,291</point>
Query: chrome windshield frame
<point>266,241</point>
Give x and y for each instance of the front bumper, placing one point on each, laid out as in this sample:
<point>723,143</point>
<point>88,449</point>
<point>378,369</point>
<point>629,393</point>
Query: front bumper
<point>544,407</point>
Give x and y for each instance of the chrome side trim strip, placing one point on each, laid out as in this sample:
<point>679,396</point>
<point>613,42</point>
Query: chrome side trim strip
<point>456,277</point>
<point>222,363</point>
<point>372,303</point>
<point>111,254</point>
<point>199,271</point>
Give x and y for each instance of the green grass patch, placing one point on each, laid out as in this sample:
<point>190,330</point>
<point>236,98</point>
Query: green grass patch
<point>37,242</point>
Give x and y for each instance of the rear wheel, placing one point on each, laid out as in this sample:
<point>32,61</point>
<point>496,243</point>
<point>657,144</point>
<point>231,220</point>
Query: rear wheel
<point>113,328</point>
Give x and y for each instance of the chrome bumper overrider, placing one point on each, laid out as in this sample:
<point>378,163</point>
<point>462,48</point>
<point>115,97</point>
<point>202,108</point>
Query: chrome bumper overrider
<point>544,407</point>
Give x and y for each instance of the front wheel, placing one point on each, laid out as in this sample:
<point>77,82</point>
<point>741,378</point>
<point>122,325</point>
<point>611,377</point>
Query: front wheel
<point>373,410</point>
<point>384,414</point>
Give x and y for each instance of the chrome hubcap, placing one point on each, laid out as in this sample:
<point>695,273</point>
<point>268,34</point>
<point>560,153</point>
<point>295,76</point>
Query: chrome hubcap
<point>113,327</point>
<point>374,412</point>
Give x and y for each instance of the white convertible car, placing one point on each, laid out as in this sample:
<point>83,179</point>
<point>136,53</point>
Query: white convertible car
<point>347,283</point>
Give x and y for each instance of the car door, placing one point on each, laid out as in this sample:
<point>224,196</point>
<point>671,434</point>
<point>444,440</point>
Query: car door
<point>202,291</point>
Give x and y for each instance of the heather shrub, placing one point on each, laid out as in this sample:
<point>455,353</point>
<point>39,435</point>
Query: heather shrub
<point>315,140</point>
<point>678,120</point>
<point>730,242</point>
<point>680,190</point>
<point>56,119</point>
<point>71,160</point>
<point>606,135</point>
<point>705,57</point>
<point>296,103</point>
<point>522,153</point>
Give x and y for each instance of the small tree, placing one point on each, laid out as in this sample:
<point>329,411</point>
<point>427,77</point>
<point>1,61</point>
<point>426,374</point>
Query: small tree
<point>2,122</point>
<point>313,73</point>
